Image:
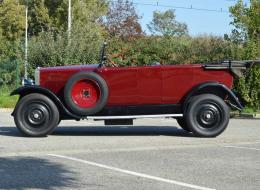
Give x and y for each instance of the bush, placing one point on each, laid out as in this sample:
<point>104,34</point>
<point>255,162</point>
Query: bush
<point>9,72</point>
<point>50,49</point>
<point>249,86</point>
<point>169,50</point>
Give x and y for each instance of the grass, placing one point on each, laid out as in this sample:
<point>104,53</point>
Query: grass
<point>7,101</point>
<point>250,110</point>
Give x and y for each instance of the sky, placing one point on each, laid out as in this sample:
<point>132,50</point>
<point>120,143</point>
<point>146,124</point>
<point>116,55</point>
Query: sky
<point>198,21</point>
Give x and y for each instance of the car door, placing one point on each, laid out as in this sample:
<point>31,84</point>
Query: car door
<point>149,80</point>
<point>122,85</point>
<point>176,82</point>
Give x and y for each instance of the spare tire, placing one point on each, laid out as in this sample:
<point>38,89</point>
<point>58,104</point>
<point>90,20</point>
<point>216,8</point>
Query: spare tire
<point>86,93</point>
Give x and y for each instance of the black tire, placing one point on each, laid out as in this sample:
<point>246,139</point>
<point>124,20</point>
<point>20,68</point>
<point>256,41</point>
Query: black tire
<point>36,115</point>
<point>182,123</point>
<point>59,122</point>
<point>207,115</point>
<point>96,80</point>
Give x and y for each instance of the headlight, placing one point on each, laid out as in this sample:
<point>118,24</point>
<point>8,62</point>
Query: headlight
<point>37,76</point>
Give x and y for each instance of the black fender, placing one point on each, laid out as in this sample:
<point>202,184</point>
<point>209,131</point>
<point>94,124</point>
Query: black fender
<point>25,90</point>
<point>217,89</point>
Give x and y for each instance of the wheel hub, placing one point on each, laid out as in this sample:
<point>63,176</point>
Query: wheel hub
<point>85,93</point>
<point>208,115</point>
<point>37,114</point>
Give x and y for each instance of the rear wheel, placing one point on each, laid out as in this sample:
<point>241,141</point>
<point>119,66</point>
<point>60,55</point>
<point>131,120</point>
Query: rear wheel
<point>36,115</point>
<point>182,123</point>
<point>207,115</point>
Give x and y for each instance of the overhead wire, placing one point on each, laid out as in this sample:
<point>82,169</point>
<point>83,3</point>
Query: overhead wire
<point>178,7</point>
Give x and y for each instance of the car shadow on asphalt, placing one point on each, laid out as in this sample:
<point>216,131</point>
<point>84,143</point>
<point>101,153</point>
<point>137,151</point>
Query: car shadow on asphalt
<point>121,131</point>
<point>107,131</point>
<point>34,173</point>
<point>9,131</point>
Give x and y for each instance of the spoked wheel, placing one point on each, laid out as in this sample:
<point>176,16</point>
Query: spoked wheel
<point>36,115</point>
<point>86,93</point>
<point>207,115</point>
<point>182,123</point>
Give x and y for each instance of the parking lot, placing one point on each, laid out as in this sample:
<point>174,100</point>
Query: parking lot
<point>152,154</point>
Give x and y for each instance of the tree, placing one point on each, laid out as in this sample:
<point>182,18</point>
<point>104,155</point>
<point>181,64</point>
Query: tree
<point>58,13</point>
<point>39,20</point>
<point>246,20</point>
<point>38,17</point>
<point>164,23</point>
<point>52,48</point>
<point>122,20</point>
<point>12,19</point>
<point>85,11</point>
<point>2,44</point>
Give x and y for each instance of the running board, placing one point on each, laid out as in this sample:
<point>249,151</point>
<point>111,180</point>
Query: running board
<point>133,116</point>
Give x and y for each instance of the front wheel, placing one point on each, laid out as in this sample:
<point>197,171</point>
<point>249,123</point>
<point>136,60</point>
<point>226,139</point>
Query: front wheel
<point>36,115</point>
<point>207,115</point>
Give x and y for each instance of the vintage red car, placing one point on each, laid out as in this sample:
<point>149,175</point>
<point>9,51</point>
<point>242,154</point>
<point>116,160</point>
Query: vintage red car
<point>198,96</point>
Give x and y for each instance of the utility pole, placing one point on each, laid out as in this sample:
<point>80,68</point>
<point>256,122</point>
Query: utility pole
<point>26,43</point>
<point>69,20</point>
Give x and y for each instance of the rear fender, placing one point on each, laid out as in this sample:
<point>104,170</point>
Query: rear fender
<point>218,89</point>
<point>25,90</point>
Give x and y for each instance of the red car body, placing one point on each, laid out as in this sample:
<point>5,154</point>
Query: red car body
<point>146,85</point>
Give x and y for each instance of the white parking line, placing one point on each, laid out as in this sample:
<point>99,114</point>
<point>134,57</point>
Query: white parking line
<point>132,173</point>
<point>240,147</point>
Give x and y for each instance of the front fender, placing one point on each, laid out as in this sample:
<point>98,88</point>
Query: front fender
<point>214,88</point>
<point>25,90</point>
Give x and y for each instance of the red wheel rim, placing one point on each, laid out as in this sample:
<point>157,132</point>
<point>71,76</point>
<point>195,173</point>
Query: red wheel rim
<point>85,93</point>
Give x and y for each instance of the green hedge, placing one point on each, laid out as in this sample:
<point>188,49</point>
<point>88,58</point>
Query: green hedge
<point>170,50</point>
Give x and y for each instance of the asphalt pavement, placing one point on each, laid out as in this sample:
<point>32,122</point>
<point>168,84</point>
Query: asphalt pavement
<point>153,154</point>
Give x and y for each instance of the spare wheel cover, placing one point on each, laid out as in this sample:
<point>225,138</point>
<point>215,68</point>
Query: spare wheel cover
<point>86,93</point>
